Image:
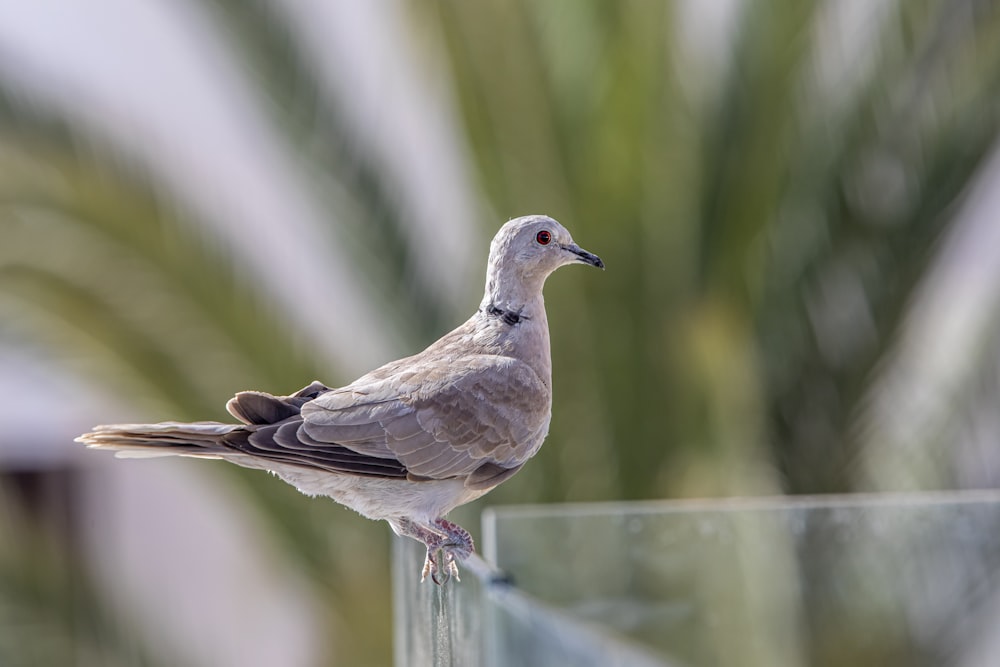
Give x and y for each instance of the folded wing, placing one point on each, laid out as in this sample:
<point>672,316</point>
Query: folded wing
<point>479,419</point>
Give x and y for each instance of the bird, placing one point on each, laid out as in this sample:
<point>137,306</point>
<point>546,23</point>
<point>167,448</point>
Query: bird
<point>415,438</point>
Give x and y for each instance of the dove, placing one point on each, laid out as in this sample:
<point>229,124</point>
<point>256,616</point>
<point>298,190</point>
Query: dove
<point>417,437</point>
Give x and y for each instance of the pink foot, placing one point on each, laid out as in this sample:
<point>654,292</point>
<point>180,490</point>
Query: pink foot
<point>446,542</point>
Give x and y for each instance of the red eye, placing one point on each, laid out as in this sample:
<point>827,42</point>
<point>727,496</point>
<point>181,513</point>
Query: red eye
<point>543,237</point>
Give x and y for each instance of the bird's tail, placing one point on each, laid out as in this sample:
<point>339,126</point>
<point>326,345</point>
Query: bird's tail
<point>198,439</point>
<point>207,440</point>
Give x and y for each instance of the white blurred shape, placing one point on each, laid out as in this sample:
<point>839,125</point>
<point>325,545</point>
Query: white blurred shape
<point>941,346</point>
<point>396,94</point>
<point>846,41</point>
<point>180,555</point>
<point>41,410</point>
<point>704,31</point>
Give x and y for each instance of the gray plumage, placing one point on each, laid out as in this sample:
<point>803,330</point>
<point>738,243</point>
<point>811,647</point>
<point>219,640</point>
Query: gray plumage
<point>415,438</point>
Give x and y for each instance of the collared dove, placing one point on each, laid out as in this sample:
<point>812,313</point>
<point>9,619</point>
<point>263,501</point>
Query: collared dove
<point>417,437</point>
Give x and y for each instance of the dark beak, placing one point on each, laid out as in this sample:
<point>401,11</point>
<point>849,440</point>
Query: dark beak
<point>584,256</point>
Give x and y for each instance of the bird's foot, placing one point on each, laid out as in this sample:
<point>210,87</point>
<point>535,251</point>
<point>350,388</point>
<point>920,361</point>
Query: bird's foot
<point>457,535</point>
<point>447,544</point>
<point>440,573</point>
<point>443,555</point>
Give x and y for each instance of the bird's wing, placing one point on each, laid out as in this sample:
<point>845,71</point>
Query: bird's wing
<point>480,416</point>
<point>274,432</point>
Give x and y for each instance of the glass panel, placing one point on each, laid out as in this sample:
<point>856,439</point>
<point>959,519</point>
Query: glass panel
<point>433,625</point>
<point>857,580</point>
<point>483,621</point>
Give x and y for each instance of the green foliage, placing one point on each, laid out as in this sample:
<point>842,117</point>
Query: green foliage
<point>734,209</point>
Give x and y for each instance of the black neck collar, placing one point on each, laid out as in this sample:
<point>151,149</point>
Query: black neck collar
<point>507,316</point>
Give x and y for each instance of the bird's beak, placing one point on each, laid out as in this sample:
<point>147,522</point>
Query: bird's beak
<point>584,256</point>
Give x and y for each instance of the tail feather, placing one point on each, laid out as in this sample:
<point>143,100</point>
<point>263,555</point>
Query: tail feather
<point>198,439</point>
<point>202,439</point>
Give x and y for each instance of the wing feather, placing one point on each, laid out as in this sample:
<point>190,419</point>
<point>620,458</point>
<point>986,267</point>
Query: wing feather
<point>480,417</point>
<point>487,409</point>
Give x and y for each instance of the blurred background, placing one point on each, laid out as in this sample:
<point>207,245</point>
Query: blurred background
<point>797,203</point>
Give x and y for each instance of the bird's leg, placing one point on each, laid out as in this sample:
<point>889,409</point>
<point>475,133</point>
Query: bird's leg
<point>446,542</point>
<point>431,538</point>
<point>458,545</point>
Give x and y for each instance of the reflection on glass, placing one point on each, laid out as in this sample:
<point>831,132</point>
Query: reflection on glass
<point>862,580</point>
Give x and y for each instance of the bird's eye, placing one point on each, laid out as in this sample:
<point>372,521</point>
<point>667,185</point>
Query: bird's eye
<point>543,237</point>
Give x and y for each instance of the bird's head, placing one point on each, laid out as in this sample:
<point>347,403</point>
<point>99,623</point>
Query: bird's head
<point>536,245</point>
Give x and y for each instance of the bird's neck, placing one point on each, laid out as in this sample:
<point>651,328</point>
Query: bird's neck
<point>520,295</point>
<point>513,310</point>
<point>523,329</point>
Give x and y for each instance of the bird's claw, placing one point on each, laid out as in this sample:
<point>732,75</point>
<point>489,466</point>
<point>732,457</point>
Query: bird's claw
<point>433,567</point>
<point>447,544</point>
<point>427,569</point>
